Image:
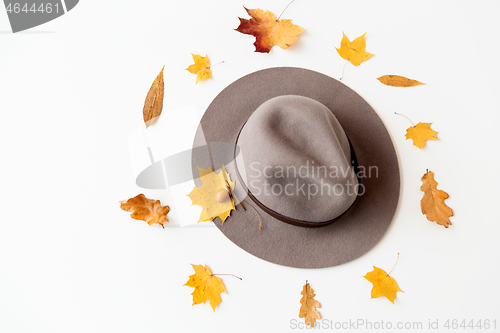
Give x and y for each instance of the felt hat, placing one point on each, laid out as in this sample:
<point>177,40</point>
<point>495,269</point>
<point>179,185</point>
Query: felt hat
<point>311,156</point>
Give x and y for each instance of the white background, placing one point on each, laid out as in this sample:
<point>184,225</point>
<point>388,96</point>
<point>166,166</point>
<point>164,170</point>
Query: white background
<point>72,92</point>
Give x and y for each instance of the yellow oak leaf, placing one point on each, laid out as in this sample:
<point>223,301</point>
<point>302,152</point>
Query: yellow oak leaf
<point>383,284</point>
<point>398,81</point>
<point>308,306</point>
<point>145,209</point>
<point>269,31</point>
<point>201,67</point>
<point>205,196</point>
<point>207,287</point>
<point>421,133</point>
<point>354,51</point>
<point>153,104</point>
<point>432,203</point>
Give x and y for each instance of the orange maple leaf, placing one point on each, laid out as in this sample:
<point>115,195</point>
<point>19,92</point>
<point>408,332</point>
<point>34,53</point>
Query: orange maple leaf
<point>354,51</point>
<point>201,67</point>
<point>269,31</point>
<point>421,133</point>
<point>432,203</point>
<point>207,287</point>
<point>145,209</point>
<point>383,284</point>
<point>308,306</point>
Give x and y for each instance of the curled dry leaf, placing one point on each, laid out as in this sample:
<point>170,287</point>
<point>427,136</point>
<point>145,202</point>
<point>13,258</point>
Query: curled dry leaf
<point>206,196</point>
<point>269,31</point>
<point>432,203</point>
<point>201,67</point>
<point>207,287</point>
<point>398,81</point>
<point>420,133</point>
<point>308,306</point>
<point>145,209</point>
<point>354,51</point>
<point>383,284</point>
<point>153,104</point>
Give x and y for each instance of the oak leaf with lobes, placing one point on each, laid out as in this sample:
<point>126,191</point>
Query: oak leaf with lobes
<point>206,195</point>
<point>145,209</point>
<point>269,31</point>
<point>153,104</point>
<point>432,203</point>
<point>308,306</point>
<point>207,287</point>
<point>354,51</point>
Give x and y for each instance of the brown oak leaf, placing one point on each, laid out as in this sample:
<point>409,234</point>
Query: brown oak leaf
<point>145,209</point>
<point>432,203</point>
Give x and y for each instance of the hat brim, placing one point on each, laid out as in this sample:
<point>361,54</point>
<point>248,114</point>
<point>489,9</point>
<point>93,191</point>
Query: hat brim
<point>355,232</point>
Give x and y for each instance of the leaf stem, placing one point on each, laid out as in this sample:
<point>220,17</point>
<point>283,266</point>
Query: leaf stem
<point>343,69</point>
<point>393,266</point>
<point>260,221</point>
<point>284,10</point>
<point>231,275</point>
<point>399,114</point>
<point>220,62</point>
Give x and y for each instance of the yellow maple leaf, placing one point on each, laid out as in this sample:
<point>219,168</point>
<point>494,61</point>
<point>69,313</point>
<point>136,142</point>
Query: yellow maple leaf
<point>145,209</point>
<point>354,51</point>
<point>207,287</point>
<point>421,133</point>
<point>398,81</point>
<point>308,306</point>
<point>205,196</point>
<point>383,284</point>
<point>432,203</point>
<point>201,67</point>
<point>269,31</point>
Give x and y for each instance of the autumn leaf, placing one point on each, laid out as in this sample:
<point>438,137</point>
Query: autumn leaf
<point>207,287</point>
<point>421,133</point>
<point>398,81</point>
<point>354,51</point>
<point>383,284</point>
<point>201,67</point>
<point>153,104</point>
<point>308,306</point>
<point>205,196</point>
<point>432,203</point>
<point>269,31</point>
<point>146,209</point>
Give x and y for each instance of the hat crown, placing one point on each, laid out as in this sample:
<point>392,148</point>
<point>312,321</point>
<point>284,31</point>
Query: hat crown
<point>296,160</point>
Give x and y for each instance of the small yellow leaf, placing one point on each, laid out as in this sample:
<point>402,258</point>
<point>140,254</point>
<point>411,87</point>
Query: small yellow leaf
<point>153,104</point>
<point>383,284</point>
<point>354,51</point>
<point>308,306</point>
<point>145,209</point>
<point>201,67</point>
<point>421,133</point>
<point>207,287</point>
<point>432,203</point>
<point>398,81</point>
<point>205,196</point>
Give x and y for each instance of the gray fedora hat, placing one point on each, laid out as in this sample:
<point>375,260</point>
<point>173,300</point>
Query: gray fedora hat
<point>311,156</point>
